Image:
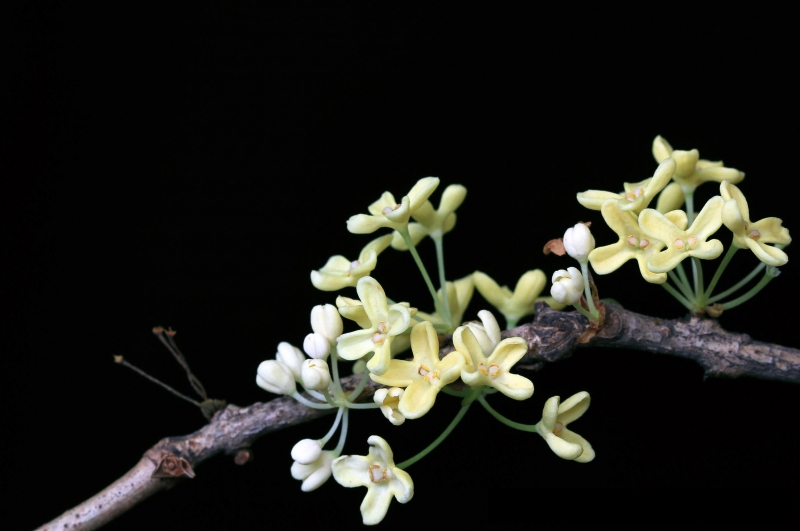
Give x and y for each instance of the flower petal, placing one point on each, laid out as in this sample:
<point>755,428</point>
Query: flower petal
<point>766,253</point>
<point>417,399</point>
<point>376,504</point>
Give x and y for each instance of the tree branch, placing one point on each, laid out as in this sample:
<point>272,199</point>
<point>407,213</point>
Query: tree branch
<point>552,336</point>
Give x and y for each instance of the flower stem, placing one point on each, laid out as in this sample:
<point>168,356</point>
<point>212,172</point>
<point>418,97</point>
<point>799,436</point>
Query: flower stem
<point>699,290</point>
<point>672,291</point>
<point>510,423</point>
<point>739,284</point>
<point>306,402</point>
<point>594,314</point>
<point>747,296</point>
<point>343,434</point>
<point>684,278</point>
<point>465,405</point>
<point>728,255</point>
<point>436,301</point>
<point>360,387</point>
<point>687,292</point>
<point>437,242</point>
<point>330,433</point>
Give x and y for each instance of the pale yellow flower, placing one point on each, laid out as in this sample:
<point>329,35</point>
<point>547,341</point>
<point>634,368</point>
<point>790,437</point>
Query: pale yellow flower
<point>632,242</point>
<point>565,444</point>
<point>516,304</point>
<point>459,293</point>
<point>691,171</point>
<point>753,235</point>
<point>680,243</point>
<point>379,474</point>
<point>339,272</point>
<point>433,222</point>
<point>385,323</point>
<point>637,196</point>
<point>386,212</point>
<point>494,371</point>
<point>353,309</point>
<point>423,377</point>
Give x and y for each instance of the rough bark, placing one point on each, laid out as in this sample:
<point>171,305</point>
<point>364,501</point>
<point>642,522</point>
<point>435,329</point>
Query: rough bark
<point>552,336</point>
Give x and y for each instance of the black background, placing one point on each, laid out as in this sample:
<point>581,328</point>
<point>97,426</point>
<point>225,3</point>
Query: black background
<point>189,167</point>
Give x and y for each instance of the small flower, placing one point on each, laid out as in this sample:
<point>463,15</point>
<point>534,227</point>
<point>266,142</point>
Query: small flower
<point>339,272</point>
<point>637,196</point>
<point>275,377</point>
<point>325,320</point>
<point>378,473</point>
<point>459,293</point>
<point>315,374</point>
<point>433,222</point>
<point>386,212</point>
<point>494,371</point>
<point>567,286</point>
<point>753,235</point>
<point>632,242</point>
<point>315,473</point>
<point>389,400</point>
<point>316,346</point>
<point>553,427</point>
<point>691,171</point>
<point>513,305</point>
<point>423,377</point>
<point>386,322</point>
<point>683,243</point>
<point>487,332</point>
<point>578,242</point>
<point>292,357</point>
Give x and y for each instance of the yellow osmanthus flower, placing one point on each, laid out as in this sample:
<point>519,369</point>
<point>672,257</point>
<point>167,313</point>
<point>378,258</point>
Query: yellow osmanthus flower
<point>459,293</point>
<point>433,222</point>
<point>633,243</point>
<point>680,243</point>
<point>494,371</point>
<point>377,472</point>
<point>385,323</point>
<point>753,235</point>
<point>565,444</point>
<point>339,272</point>
<point>353,309</point>
<point>386,212</point>
<point>691,171</point>
<point>637,196</point>
<point>516,304</point>
<point>423,377</point>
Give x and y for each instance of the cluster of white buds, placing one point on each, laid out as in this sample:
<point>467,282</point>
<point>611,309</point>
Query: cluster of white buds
<point>567,286</point>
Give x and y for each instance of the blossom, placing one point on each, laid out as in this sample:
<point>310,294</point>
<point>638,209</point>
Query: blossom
<point>487,332</point>
<point>691,171</point>
<point>339,272</point>
<point>378,473</point>
<point>389,400</point>
<point>314,473</point>
<point>459,293</point>
<point>433,222</point>
<point>513,305</point>
<point>753,235</point>
<point>386,212</point>
<point>276,377</point>
<point>385,322</point>
<point>423,377</point>
<point>567,286</point>
<point>494,371</point>
<point>632,242</point>
<point>325,320</point>
<point>553,427</point>
<point>683,243</point>
<point>637,196</point>
<point>353,309</point>
<point>578,242</point>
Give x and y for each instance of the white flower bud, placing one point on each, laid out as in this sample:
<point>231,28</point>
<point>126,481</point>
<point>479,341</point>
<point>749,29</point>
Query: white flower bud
<point>579,242</point>
<point>388,400</point>
<point>313,474</point>
<point>567,286</point>
<point>290,356</point>
<point>325,320</point>
<point>316,346</point>
<point>275,377</point>
<point>306,451</point>
<point>315,374</point>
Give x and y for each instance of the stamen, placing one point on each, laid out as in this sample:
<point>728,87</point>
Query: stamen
<point>643,243</point>
<point>387,210</point>
<point>559,427</point>
<point>678,243</point>
<point>692,241</point>
<point>494,370</point>
<point>482,369</point>
<point>354,264</point>
<point>378,338</point>
<point>633,241</point>
<point>630,196</point>
<point>383,327</point>
<point>639,191</point>
<point>754,234</point>
<point>377,474</point>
